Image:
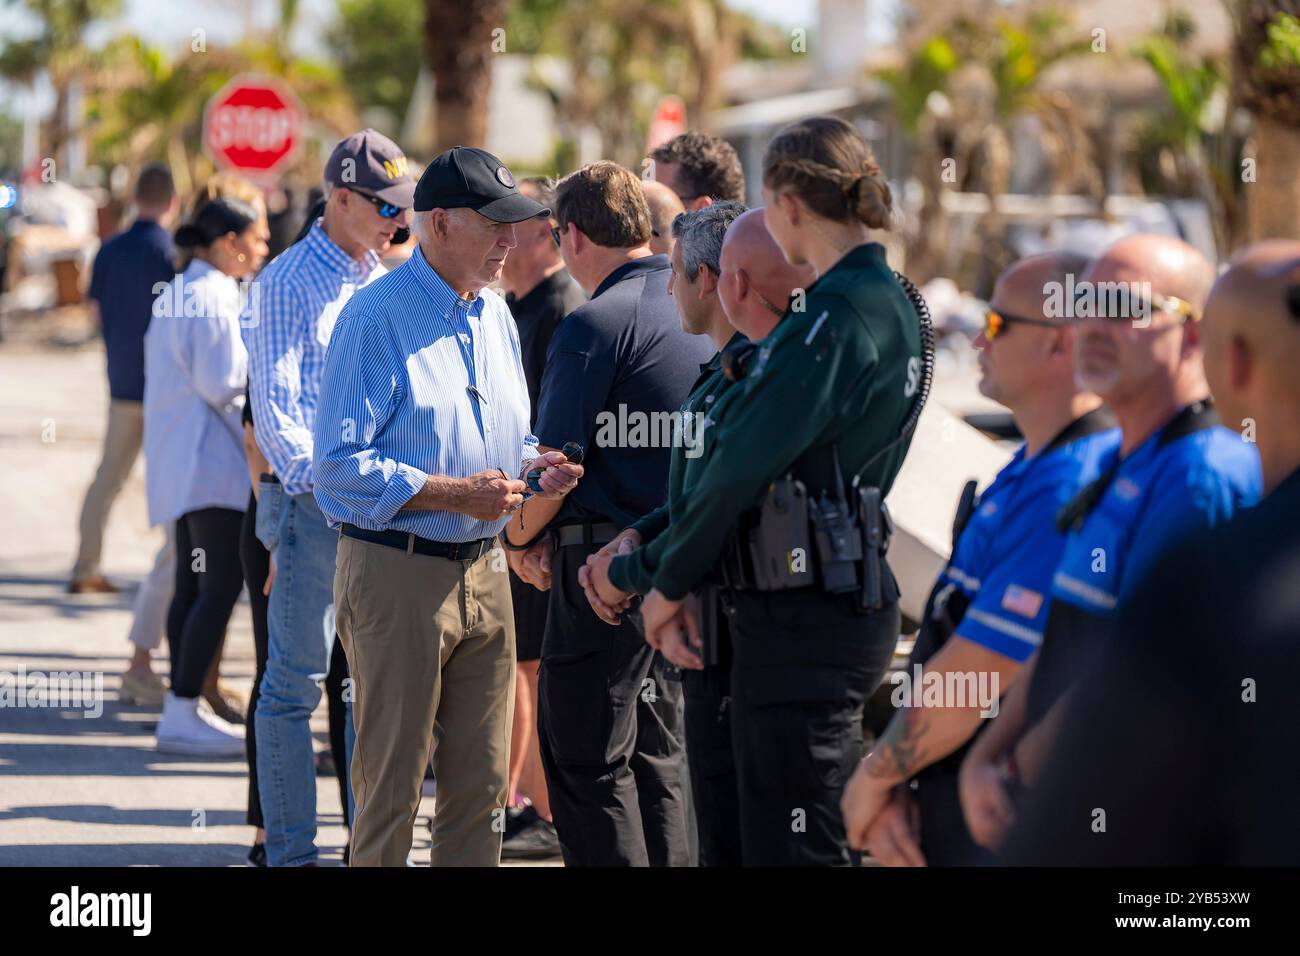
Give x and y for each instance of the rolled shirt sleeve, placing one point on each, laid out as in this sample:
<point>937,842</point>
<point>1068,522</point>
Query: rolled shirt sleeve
<point>275,344</point>
<point>364,379</point>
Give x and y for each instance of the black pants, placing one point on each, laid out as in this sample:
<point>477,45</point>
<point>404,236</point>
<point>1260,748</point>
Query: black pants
<point>805,663</point>
<point>338,721</point>
<point>609,728</point>
<point>945,839</point>
<point>707,694</point>
<point>208,582</point>
<point>256,561</point>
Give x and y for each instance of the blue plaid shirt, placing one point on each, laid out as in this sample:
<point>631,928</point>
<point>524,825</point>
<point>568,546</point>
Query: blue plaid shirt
<point>418,381</point>
<point>295,302</point>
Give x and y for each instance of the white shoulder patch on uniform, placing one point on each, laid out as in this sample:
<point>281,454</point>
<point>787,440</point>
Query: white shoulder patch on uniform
<point>816,325</point>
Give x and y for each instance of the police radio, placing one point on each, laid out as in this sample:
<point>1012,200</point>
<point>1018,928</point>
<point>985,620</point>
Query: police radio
<point>839,543</point>
<point>851,530</point>
<point>572,451</point>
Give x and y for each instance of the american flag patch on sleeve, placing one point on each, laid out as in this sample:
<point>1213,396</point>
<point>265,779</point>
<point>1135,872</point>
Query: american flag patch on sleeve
<point>1022,601</point>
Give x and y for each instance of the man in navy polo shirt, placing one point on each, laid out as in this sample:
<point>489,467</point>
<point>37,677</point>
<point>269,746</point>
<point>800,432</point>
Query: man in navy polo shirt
<point>1179,471</point>
<point>986,613</point>
<point>128,273</point>
<point>122,282</point>
<point>609,710</point>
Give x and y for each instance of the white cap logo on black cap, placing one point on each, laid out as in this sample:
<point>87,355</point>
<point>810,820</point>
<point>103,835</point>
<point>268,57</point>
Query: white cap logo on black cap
<point>506,179</point>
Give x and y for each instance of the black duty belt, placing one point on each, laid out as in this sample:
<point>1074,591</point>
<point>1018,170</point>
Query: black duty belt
<point>414,544</point>
<point>587,533</point>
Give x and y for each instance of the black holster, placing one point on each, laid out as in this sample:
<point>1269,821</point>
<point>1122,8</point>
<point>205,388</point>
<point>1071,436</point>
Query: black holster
<point>790,541</point>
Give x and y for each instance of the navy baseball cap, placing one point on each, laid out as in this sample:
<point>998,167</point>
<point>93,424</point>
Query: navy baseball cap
<point>372,163</point>
<point>464,177</point>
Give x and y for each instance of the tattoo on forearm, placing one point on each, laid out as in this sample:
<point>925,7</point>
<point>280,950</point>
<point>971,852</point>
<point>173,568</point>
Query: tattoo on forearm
<point>899,752</point>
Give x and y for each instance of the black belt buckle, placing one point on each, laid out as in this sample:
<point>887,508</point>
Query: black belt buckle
<point>455,549</point>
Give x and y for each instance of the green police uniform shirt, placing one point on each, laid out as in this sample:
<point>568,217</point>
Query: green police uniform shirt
<point>844,370</point>
<point>703,410</point>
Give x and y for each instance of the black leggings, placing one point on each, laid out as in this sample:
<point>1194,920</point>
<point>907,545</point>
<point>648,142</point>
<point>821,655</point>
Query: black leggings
<point>338,718</point>
<point>208,582</point>
<point>256,561</point>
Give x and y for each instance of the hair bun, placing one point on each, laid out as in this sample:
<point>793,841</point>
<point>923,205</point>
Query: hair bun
<point>871,200</point>
<point>187,237</point>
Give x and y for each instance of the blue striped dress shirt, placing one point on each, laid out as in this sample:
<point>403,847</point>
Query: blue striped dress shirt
<point>296,301</point>
<point>418,381</point>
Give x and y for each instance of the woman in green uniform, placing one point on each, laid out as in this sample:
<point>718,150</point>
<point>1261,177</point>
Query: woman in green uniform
<point>823,421</point>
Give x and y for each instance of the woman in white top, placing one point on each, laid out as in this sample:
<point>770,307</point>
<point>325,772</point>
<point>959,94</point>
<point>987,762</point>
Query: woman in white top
<point>195,474</point>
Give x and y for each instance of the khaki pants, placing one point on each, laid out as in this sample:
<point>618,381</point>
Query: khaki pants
<point>431,647</point>
<point>121,446</point>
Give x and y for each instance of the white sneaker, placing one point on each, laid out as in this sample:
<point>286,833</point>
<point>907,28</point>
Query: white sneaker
<point>185,728</point>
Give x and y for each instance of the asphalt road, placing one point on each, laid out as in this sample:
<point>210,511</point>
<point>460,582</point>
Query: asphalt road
<point>79,787</point>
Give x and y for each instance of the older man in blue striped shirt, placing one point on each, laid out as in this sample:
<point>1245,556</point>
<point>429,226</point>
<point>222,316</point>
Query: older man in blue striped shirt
<point>421,441</point>
<point>296,302</point>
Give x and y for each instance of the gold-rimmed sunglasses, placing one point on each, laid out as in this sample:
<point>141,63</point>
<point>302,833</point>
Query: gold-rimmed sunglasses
<point>1130,306</point>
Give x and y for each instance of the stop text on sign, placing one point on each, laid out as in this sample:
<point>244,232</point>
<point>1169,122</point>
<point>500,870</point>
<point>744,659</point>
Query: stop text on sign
<point>252,127</point>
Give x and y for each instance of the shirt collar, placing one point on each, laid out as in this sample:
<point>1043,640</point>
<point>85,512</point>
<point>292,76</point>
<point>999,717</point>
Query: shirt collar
<point>632,269</point>
<point>860,256</point>
<point>552,282</point>
<point>338,260</point>
<point>443,295</point>
<point>715,363</point>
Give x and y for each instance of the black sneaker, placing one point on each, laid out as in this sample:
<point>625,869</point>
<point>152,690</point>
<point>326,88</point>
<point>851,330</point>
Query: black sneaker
<point>518,819</point>
<point>536,842</point>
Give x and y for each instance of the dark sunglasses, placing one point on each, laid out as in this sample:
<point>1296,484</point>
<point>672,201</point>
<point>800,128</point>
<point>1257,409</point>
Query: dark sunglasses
<point>555,234</point>
<point>385,209</point>
<point>997,322</point>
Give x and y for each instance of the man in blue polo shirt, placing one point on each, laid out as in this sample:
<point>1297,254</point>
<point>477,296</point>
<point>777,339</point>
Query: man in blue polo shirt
<point>609,717</point>
<point>986,614</point>
<point>1178,471</point>
<point>128,273</point>
<point>122,288</point>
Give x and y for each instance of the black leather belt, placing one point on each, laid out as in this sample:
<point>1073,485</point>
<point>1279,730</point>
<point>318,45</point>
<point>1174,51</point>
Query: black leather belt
<point>414,544</point>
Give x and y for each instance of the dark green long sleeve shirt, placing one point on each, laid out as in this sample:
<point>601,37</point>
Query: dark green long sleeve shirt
<point>844,372</point>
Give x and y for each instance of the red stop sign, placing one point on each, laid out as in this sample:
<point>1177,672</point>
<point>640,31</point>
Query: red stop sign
<point>252,125</point>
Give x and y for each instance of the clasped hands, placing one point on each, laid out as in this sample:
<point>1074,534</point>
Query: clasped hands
<point>671,627</point>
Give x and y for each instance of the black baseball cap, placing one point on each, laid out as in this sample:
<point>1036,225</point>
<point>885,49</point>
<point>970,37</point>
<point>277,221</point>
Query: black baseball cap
<point>468,178</point>
<point>372,163</point>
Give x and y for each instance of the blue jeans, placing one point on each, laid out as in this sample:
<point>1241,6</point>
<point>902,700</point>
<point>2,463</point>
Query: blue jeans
<point>300,625</point>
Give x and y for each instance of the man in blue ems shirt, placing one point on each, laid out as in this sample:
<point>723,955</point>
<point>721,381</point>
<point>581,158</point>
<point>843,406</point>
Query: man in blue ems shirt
<point>988,608</point>
<point>1178,471</point>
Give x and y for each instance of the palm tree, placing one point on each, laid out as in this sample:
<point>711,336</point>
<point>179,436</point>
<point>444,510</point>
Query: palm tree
<point>146,107</point>
<point>458,39</point>
<point>1266,62</point>
<point>59,50</point>
<point>1190,83</point>
<point>988,65</point>
<point>623,55</point>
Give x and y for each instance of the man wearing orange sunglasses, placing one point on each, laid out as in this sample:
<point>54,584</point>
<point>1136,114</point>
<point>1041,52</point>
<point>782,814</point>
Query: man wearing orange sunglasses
<point>987,611</point>
<point>1179,471</point>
